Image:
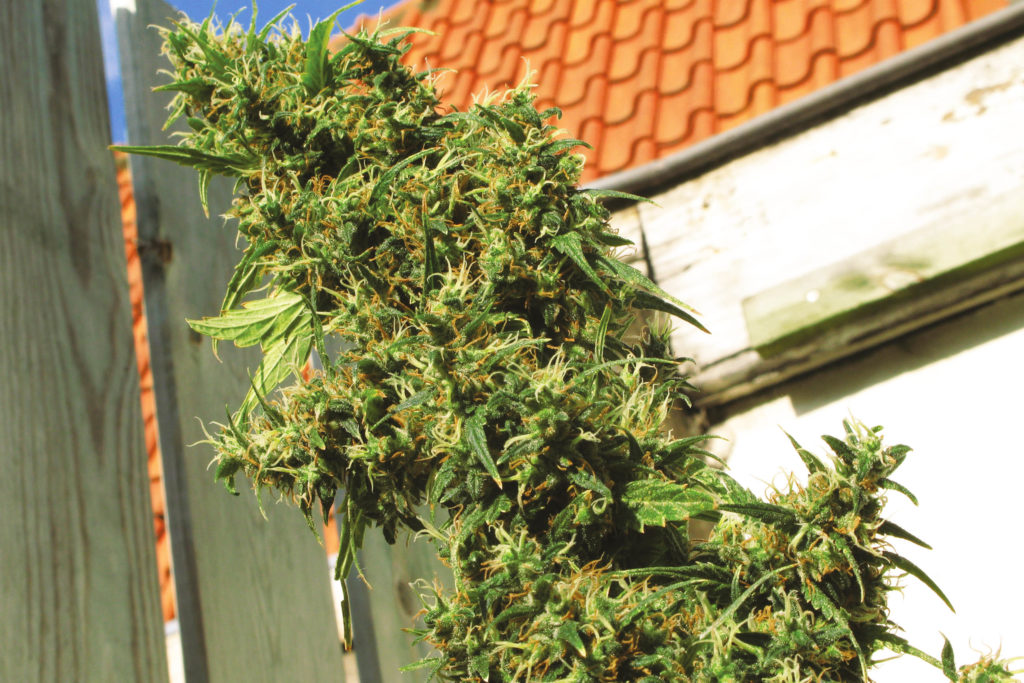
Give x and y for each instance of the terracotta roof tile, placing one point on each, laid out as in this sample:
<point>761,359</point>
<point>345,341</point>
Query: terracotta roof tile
<point>731,13</point>
<point>629,18</point>
<point>499,17</point>
<point>797,58</point>
<point>915,12</point>
<point>922,30</point>
<point>953,13</point>
<point>845,6</point>
<point>734,86</point>
<point>855,28</point>
<point>642,77</point>
<point>789,19</point>
<point>979,8</point>
<point>676,120</point>
<point>627,54</point>
<point>463,11</point>
<point>535,33</point>
<point>577,75</point>
<point>147,398</point>
<point>682,26</point>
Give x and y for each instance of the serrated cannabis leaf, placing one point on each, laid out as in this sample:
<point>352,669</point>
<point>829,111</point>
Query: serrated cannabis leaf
<point>656,502</point>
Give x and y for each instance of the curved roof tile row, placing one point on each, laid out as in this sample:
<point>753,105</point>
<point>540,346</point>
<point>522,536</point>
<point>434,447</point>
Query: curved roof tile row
<point>640,79</point>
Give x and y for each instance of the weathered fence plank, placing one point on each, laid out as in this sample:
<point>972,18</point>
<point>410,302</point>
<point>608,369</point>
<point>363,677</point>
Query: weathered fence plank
<point>253,595</point>
<point>395,604</point>
<point>78,584</point>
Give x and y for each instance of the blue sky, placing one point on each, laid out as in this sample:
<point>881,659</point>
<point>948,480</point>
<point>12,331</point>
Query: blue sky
<point>198,9</point>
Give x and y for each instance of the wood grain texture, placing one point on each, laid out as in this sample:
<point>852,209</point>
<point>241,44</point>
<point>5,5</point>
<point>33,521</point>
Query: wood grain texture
<point>253,594</point>
<point>79,599</point>
<point>398,575</point>
<point>898,274</point>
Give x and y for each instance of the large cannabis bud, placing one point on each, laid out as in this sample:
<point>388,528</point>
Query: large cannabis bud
<point>479,385</point>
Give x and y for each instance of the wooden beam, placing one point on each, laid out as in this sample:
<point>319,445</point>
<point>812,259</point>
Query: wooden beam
<point>79,599</point>
<point>929,274</point>
<point>893,274</point>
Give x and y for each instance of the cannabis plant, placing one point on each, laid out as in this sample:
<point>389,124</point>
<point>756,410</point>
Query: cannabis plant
<point>480,387</point>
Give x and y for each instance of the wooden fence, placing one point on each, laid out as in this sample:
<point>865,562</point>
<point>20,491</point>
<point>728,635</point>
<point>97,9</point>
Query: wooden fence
<point>78,588</point>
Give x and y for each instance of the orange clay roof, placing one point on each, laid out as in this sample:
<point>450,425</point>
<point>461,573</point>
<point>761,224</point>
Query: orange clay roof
<point>641,79</point>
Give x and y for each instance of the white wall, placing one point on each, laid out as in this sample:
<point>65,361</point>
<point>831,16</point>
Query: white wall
<point>955,393</point>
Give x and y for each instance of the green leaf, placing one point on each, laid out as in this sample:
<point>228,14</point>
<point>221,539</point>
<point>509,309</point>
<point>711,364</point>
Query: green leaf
<point>204,190</point>
<point>263,321</point>
<point>430,263</point>
<point>566,144</point>
<point>909,567</point>
<point>262,37</point>
<point>841,448</point>
<point>226,469</point>
<point>735,604</point>
<point>511,348</point>
<point>479,664</point>
<point>346,616</point>
<point>656,502</point>
<point>476,439</point>
<point>811,461</point>
<point>279,361</point>
<point>586,480</point>
<point>900,644</point>
<point>233,165</point>
<point>515,131</point>
<point>419,398</point>
<point>894,486</point>
<point>218,62</point>
<point>384,182</point>
<point>766,512</point>
<point>634,278</point>
<point>570,244</point>
<point>616,194</point>
<point>197,87</point>
<point>436,662</point>
<point>892,529</point>
<point>314,75</point>
<point>602,332</point>
<point>653,303</point>
<point>594,369</point>
<point>948,661</point>
<point>569,633</point>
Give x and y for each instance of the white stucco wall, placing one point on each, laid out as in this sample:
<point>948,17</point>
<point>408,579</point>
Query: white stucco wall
<point>955,393</point>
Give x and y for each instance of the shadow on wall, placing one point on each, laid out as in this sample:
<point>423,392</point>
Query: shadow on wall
<point>923,347</point>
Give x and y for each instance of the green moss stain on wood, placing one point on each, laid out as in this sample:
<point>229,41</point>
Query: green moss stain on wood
<point>888,276</point>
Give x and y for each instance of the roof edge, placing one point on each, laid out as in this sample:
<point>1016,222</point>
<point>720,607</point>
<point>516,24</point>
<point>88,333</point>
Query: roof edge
<point>835,99</point>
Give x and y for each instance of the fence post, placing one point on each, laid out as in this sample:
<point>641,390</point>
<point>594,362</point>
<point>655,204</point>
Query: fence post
<point>254,598</point>
<point>78,583</point>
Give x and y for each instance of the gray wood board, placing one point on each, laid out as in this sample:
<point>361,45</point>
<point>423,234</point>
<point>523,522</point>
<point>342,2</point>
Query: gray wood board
<point>253,594</point>
<point>887,275</point>
<point>398,575</point>
<point>79,599</point>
